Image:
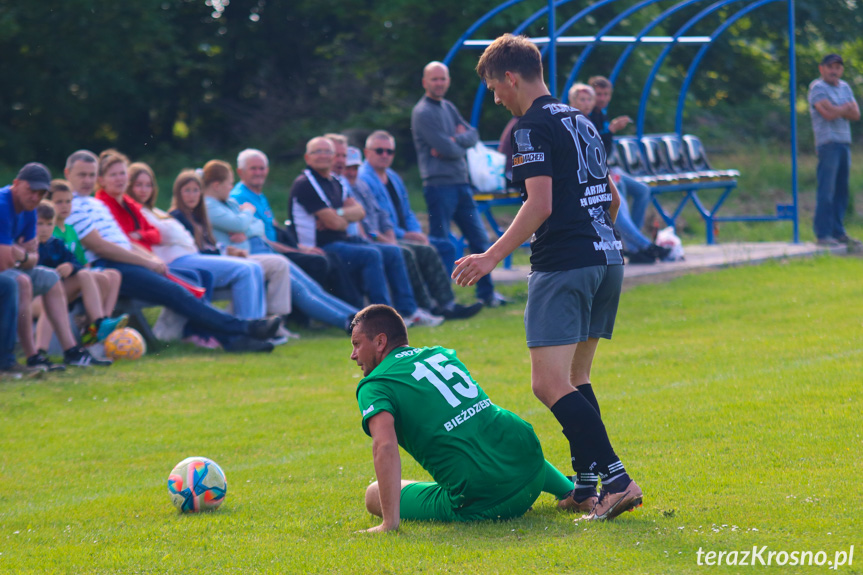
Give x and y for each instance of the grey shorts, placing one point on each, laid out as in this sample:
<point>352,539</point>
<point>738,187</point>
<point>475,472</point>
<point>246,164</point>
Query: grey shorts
<point>571,306</point>
<point>42,278</point>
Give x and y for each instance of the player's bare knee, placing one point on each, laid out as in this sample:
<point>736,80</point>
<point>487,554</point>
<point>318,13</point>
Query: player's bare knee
<point>373,499</point>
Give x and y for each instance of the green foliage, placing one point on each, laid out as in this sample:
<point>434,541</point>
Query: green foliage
<point>739,416</point>
<point>192,76</point>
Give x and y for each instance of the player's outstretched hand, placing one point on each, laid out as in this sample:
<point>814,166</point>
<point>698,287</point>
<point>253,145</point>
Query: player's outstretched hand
<point>470,269</point>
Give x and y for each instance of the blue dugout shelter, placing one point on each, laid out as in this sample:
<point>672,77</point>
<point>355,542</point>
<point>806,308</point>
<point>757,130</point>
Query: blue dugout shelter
<point>559,39</point>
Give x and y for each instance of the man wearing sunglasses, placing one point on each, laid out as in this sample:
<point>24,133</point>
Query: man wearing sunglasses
<point>442,138</point>
<point>322,211</point>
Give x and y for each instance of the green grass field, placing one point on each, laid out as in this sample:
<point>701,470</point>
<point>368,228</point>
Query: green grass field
<point>733,397</point>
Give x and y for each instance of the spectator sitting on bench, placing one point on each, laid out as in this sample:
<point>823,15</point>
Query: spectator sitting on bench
<point>321,211</point>
<point>188,208</point>
<point>178,249</point>
<point>430,281</point>
<point>108,281</point>
<point>19,255</point>
<point>77,282</point>
<point>639,248</point>
<point>327,269</point>
<point>237,227</point>
<point>143,273</point>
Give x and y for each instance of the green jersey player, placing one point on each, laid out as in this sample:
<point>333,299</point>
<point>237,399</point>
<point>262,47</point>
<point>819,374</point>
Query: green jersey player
<point>486,462</point>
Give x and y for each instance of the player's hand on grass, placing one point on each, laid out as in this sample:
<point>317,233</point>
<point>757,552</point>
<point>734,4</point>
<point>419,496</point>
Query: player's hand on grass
<point>382,528</point>
<point>470,269</point>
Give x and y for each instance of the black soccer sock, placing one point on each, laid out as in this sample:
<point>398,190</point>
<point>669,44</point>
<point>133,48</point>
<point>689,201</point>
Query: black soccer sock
<point>586,390</point>
<point>589,445</point>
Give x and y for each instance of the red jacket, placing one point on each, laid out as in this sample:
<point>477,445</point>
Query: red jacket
<point>130,219</point>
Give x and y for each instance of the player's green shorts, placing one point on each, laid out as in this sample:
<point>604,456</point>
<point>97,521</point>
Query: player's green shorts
<point>427,501</point>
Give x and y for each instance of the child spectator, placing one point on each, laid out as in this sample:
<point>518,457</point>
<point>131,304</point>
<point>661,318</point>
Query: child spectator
<point>178,249</point>
<point>77,281</point>
<point>60,193</point>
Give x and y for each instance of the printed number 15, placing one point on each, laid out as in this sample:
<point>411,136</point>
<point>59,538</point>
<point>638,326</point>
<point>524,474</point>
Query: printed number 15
<point>466,388</point>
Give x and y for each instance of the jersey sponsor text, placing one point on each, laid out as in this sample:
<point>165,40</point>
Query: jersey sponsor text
<point>521,159</point>
<point>466,414</point>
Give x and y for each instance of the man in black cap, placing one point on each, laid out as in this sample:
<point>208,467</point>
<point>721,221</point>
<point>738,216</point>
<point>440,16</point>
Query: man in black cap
<point>19,254</point>
<point>832,106</point>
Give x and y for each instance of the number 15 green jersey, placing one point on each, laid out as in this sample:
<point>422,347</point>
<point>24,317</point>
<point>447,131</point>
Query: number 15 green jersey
<point>479,452</point>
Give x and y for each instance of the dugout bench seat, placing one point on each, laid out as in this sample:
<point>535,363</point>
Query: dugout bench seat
<point>669,164</point>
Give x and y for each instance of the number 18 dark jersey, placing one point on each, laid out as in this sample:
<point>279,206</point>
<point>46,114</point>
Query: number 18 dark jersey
<point>553,139</point>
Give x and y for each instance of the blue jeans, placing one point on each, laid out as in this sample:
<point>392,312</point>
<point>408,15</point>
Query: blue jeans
<point>373,265</point>
<point>141,283</point>
<point>638,194</point>
<point>244,277</point>
<point>630,233</point>
<point>310,298</point>
<point>446,251</point>
<point>455,203</point>
<point>834,163</point>
<point>8,320</point>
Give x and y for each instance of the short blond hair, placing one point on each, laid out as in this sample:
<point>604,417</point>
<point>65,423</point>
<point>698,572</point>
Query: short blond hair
<point>579,87</point>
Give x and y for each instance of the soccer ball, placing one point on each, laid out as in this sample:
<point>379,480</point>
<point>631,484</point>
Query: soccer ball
<point>197,484</point>
<point>125,343</point>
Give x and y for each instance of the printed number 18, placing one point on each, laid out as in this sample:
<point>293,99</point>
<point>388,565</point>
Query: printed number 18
<point>466,388</point>
<point>592,159</point>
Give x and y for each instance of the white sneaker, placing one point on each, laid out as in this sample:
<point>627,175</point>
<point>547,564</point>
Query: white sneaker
<point>423,318</point>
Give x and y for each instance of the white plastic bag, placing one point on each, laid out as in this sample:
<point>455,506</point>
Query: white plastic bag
<point>486,167</point>
<point>668,239</point>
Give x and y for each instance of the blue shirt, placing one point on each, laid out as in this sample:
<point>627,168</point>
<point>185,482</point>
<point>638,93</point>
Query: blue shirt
<point>54,252</point>
<point>263,212</point>
<point>12,224</point>
<point>382,196</point>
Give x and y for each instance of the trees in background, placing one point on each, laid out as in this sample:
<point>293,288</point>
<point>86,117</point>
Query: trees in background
<point>192,76</point>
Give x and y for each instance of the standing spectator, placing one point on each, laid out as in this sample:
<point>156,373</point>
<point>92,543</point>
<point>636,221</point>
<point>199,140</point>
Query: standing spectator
<point>832,107</point>
<point>18,258</point>
<point>442,137</point>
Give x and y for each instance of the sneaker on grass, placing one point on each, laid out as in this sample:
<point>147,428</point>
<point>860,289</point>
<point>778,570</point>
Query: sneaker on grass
<point>423,318</point>
<point>41,361</point>
<point>80,357</point>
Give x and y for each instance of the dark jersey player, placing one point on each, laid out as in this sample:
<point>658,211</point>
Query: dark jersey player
<point>486,462</point>
<point>570,205</point>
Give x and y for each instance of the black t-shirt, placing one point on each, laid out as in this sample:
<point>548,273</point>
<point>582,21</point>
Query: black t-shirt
<point>553,139</point>
<point>308,198</point>
<point>397,204</point>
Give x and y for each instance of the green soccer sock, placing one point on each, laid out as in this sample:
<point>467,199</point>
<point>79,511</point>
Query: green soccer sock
<point>556,482</point>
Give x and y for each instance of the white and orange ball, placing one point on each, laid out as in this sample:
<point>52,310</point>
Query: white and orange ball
<point>197,484</point>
